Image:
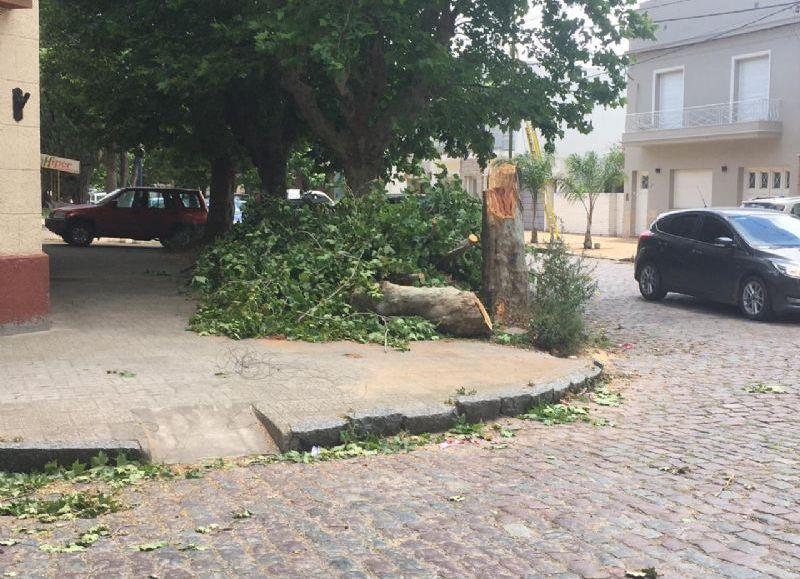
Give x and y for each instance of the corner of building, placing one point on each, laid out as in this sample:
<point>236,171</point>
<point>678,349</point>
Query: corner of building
<point>24,268</point>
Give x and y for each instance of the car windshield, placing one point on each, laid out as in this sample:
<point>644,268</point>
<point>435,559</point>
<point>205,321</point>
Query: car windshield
<point>768,230</point>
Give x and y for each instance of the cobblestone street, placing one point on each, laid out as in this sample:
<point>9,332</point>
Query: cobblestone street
<point>698,478</point>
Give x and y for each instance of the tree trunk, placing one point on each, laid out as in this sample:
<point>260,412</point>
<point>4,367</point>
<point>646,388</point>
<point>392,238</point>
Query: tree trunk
<point>534,233</point>
<point>110,164</point>
<point>454,312</point>
<point>220,214</point>
<point>84,179</point>
<point>587,238</point>
<point>360,174</point>
<point>505,271</point>
<point>123,169</point>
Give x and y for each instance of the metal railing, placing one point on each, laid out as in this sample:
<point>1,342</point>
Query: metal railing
<point>706,116</point>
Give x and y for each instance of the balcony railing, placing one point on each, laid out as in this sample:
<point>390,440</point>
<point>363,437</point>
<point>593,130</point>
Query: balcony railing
<point>706,116</point>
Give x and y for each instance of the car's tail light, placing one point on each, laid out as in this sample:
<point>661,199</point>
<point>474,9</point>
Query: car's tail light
<point>645,235</point>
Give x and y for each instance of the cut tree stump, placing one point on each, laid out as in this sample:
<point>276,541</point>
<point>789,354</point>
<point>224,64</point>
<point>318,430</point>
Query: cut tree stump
<point>505,271</point>
<point>455,312</point>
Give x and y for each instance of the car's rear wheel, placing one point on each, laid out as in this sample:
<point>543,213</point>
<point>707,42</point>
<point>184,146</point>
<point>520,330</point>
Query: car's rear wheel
<point>79,234</point>
<point>650,284</point>
<point>754,299</point>
<point>180,238</point>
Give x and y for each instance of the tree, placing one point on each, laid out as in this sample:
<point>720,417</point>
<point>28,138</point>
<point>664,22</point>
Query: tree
<point>383,83</point>
<point>534,175</point>
<point>589,175</point>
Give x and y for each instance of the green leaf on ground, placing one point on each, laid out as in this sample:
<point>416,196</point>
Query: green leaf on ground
<point>242,514</point>
<point>761,388</point>
<point>146,547</point>
<point>551,414</point>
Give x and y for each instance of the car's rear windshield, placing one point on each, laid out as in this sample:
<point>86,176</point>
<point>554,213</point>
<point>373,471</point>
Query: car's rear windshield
<point>768,230</point>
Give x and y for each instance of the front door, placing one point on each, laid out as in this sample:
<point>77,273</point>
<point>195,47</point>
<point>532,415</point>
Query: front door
<point>642,192</point>
<point>675,251</point>
<point>763,182</point>
<point>116,218</point>
<point>716,269</point>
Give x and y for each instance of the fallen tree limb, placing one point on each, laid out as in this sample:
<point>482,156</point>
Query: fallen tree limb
<point>455,312</point>
<point>458,251</point>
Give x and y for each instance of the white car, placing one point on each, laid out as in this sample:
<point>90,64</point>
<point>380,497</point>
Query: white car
<point>295,196</point>
<point>790,205</point>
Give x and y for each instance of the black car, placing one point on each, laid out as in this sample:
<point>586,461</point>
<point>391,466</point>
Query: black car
<point>744,256</point>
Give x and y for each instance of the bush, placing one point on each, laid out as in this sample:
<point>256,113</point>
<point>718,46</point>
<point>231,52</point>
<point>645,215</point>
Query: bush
<point>562,284</point>
<point>291,271</point>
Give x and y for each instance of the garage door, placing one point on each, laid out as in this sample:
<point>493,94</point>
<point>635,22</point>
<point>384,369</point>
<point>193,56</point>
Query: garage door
<point>692,189</point>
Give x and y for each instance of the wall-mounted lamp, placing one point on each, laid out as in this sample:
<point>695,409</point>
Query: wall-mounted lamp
<point>658,170</point>
<point>18,101</point>
<point>724,168</point>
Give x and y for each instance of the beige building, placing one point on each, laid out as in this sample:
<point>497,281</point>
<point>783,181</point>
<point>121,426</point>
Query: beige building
<point>713,107</point>
<point>24,272</point>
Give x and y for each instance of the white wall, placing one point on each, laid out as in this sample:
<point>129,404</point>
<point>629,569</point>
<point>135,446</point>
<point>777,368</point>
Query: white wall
<point>607,219</point>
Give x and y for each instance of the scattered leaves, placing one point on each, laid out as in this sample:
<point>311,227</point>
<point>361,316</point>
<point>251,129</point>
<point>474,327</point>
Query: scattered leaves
<point>456,499</point>
<point>122,373</point>
<point>146,547</point>
<point>242,514</point>
<point>761,388</point>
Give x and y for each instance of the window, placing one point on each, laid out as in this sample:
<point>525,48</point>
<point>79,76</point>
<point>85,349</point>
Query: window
<point>796,210</point>
<point>776,180</point>
<point>645,182</point>
<point>155,200</point>
<point>751,180</point>
<point>668,98</point>
<point>764,180</point>
<point>190,200</point>
<point>786,182</point>
<point>125,200</point>
<point>712,229</point>
<point>751,88</point>
<point>679,225</point>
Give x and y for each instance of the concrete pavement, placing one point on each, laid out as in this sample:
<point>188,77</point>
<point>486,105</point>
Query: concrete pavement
<point>118,363</point>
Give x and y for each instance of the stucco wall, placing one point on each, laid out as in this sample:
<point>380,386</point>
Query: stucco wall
<point>20,204</point>
<point>607,218</point>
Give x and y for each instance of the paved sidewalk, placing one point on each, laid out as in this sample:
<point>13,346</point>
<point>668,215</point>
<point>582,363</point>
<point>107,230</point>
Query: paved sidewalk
<point>119,364</point>
<point>616,248</point>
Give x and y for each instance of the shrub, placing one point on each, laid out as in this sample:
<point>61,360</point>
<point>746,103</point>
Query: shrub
<point>291,271</point>
<point>562,284</point>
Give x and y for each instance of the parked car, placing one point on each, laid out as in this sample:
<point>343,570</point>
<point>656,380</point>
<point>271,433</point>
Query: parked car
<point>744,256</point>
<point>790,205</point>
<point>297,197</point>
<point>173,216</point>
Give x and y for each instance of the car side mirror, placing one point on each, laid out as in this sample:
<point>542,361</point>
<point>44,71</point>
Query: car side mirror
<point>724,242</point>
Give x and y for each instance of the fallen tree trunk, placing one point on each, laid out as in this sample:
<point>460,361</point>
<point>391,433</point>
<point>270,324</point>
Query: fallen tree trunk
<point>455,312</point>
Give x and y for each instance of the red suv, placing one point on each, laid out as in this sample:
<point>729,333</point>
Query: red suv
<point>173,216</point>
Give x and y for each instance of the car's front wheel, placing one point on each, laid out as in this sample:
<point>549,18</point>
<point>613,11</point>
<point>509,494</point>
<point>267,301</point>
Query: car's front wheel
<point>79,234</point>
<point>650,284</point>
<point>754,299</point>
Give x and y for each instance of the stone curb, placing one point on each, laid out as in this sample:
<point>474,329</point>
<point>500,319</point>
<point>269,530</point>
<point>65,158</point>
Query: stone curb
<point>30,457</point>
<point>432,418</point>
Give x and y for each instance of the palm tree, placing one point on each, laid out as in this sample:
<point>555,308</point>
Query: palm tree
<point>534,174</point>
<point>589,175</point>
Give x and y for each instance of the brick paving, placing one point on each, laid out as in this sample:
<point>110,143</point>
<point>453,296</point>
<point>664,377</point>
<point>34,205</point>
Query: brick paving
<point>699,478</point>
